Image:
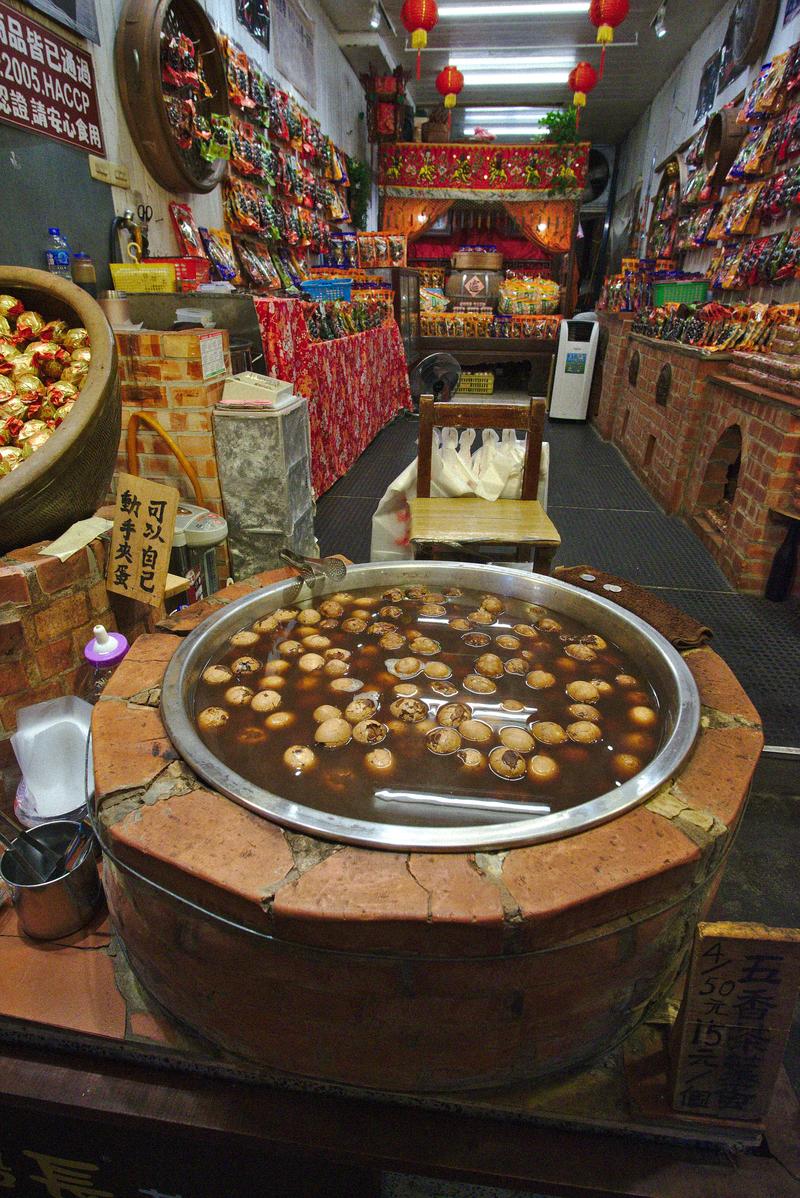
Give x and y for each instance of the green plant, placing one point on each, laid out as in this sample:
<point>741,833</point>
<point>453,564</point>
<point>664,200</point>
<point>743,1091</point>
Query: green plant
<point>360,177</point>
<point>562,125</point>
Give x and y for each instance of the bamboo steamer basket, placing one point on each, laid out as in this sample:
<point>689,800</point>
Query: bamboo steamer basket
<point>68,478</point>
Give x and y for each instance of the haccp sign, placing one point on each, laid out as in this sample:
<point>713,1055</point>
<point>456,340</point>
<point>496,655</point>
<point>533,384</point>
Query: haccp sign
<point>47,84</point>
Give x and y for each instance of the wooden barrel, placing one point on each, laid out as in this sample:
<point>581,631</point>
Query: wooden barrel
<point>68,478</point>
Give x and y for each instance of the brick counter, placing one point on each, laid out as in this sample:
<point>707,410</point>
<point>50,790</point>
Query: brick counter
<point>407,971</point>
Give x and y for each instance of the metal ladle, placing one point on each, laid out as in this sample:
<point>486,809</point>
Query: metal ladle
<point>38,860</point>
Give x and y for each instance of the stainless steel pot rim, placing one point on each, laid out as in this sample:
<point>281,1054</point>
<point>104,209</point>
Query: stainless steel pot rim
<point>665,668</point>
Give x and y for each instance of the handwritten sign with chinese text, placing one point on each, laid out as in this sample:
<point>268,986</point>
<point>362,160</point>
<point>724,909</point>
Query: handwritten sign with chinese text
<point>47,84</point>
<point>735,1018</point>
<point>142,539</point>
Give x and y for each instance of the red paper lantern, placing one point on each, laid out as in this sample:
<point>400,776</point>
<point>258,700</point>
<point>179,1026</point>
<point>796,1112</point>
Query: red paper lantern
<point>606,15</point>
<point>449,83</point>
<point>419,18</point>
<point>582,78</point>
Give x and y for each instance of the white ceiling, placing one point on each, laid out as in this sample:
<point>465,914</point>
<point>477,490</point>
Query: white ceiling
<point>633,73</point>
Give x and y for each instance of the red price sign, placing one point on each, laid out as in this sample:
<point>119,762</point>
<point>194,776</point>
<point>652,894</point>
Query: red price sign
<point>47,84</point>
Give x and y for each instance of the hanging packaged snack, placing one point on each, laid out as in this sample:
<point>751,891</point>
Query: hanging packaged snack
<point>751,154</point>
<point>243,148</point>
<point>202,129</point>
<point>237,72</point>
<point>257,265</point>
<point>218,245</point>
<point>186,230</point>
<point>258,90</point>
<point>219,143</point>
<point>181,116</point>
<point>179,63</point>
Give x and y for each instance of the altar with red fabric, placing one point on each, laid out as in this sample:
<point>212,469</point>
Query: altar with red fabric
<point>354,385</point>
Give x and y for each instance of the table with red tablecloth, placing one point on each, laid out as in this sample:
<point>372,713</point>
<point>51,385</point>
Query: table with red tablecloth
<point>354,385</point>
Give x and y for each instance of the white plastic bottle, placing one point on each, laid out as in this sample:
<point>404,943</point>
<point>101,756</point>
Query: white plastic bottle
<point>57,255</point>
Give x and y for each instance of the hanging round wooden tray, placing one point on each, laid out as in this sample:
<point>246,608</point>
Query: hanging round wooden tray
<point>144,27</point>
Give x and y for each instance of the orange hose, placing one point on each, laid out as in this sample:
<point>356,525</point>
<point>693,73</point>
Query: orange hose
<point>138,418</point>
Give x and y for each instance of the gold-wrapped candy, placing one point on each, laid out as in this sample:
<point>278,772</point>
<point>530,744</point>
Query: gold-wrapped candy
<point>8,354</point>
<point>76,373</point>
<point>11,307</point>
<point>10,456</point>
<point>30,387</point>
<point>48,358</point>
<point>29,430</point>
<point>60,393</point>
<point>84,354</point>
<point>21,367</point>
<point>75,339</point>
<point>64,411</point>
<point>13,408</point>
<point>54,330</point>
<point>37,440</point>
<point>29,326</point>
<point>5,327</point>
<point>7,389</point>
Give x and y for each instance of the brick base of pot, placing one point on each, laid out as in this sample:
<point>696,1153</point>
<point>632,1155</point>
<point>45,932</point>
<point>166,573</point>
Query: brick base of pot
<point>404,971</point>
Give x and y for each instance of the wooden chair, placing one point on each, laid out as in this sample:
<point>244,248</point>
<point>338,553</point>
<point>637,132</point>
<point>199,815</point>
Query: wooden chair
<point>521,523</point>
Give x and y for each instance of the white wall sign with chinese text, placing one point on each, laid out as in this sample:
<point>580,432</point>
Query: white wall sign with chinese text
<point>47,85</point>
<point>141,541</point>
<point>293,42</point>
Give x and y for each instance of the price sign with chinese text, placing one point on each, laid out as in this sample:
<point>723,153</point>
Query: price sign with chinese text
<point>735,1019</point>
<point>141,540</point>
<point>47,84</point>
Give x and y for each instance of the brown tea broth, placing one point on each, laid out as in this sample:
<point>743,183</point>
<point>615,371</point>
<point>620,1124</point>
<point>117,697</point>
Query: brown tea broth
<point>340,782</point>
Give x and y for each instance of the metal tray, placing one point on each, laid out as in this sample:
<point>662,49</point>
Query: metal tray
<point>663,666</point>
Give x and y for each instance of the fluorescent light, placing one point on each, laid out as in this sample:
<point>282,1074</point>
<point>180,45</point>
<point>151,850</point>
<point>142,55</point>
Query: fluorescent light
<point>500,62</point>
<point>505,113</point>
<point>537,8</point>
<point>375,15</point>
<point>514,79</point>
<point>517,131</point>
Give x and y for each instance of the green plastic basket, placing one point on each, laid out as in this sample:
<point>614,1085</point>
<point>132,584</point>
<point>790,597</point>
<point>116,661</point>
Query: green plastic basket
<point>680,293</point>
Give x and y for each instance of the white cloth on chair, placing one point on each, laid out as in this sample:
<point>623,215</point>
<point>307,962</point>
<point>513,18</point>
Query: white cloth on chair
<point>493,472</point>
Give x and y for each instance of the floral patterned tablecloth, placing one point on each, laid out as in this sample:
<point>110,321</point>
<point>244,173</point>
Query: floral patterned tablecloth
<point>354,385</point>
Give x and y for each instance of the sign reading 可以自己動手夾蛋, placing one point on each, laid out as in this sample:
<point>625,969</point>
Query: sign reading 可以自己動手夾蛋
<point>47,84</point>
<point>141,540</point>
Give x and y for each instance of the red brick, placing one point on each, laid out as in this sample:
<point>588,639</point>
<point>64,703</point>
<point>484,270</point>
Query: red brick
<point>59,617</point>
<point>12,677</point>
<point>55,658</point>
<point>12,636</point>
<point>98,598</point>
<point>197,446</point>
<point>9,707</point>
<point>14,586</point>
<point>138,396</point>
<point>54,575</point>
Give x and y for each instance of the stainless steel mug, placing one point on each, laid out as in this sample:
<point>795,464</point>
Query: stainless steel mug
<point>49,910</point>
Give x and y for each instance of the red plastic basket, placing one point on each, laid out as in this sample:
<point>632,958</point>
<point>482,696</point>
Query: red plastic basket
<point>189,272</point>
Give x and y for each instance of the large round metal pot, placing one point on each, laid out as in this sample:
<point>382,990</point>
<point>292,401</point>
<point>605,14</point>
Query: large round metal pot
<point>68,478</point>
<point>655,657</point>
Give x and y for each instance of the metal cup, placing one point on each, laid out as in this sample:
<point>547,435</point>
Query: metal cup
<point>52,909</point>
